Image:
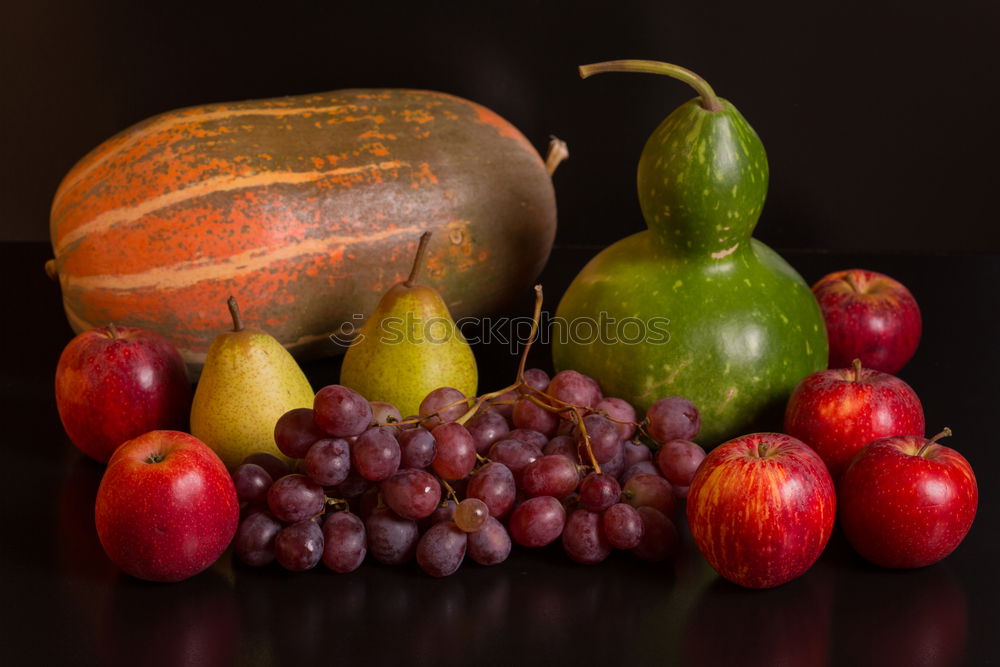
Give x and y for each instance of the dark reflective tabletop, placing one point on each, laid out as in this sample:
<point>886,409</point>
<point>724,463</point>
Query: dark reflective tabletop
<point>64,603</point>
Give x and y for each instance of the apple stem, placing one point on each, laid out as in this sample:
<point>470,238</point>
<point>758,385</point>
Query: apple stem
<point>945,433</point>
<point>418,259</point>
<point>234,312</point>
<point>154,458</point>
<point>849,279</point>
<point>857,370</point>
<point>112,331</point>
<point>709,100</point>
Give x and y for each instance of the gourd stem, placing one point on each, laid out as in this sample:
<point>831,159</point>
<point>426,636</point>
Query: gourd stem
<point>418,259</point>
<point>234,312</point>
<point>709,100</point>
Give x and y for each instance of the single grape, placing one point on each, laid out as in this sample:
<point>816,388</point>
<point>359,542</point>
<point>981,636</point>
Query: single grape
<point>385,414</point>
<point>535,378</point>
<point>375,454</point>
<point>416,447</point>
<point>551,475</point>
<point>486,428</point>
<point>599,491</point>
<point>537,521</point>
<point>673,418</point>
<point>445,511</point>
<point>341,411</point>
<point>274,466</point>
<point>530,436</point>
<point>328,461</point>
<point>562,445</point>
<point>344,542</point>
<point>640,468</point>
<point>491,544</point>
<point>622,411</point>
<point>251,482</point>
<point>660,539</point>
<point>254,541</point>
<point>650,491</point>
<point>295,431</point>
<point>369,500</point>
<point>441,549</point>
<point>678,460</point>
<point>574,388</point>
<point>622,525</point>
<point>456,451</point>
<point>616,465</point>
<point>412,493</point>
<point>494,485</point>
<point>391,539</point>
<point>295,498</point>
<point>531,416</point>
<point>299,547</point>
<point>514,454</point>
<point>636,452</point>
<point>448,403</point>
<point>604,439</point>
<point>352,487</point>
<point>582,538</point>
<point>471,514</point>
<point>597,389</point>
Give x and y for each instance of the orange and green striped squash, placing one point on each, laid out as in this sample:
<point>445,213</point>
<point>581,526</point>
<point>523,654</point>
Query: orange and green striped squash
<point>306,208</point>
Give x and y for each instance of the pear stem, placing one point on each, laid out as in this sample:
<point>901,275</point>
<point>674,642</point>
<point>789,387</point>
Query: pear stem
<point>709,100</point>
<point>945,433</point>
<point>857,370</point>
<point>234,312</point>
<point>418,259</point>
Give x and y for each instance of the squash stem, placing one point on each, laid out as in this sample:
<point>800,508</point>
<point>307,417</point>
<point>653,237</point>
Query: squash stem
<point>558,151</point>
<point>709,100</point>
<point>418,259</point>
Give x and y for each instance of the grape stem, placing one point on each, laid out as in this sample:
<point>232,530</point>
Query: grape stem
<point>448,490</point>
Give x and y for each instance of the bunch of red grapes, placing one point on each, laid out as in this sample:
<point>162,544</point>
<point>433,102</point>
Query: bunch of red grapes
<point>545,460</point>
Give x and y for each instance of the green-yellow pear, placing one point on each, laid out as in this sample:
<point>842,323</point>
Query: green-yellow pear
<point>409,346</point>
<point>247,382</point>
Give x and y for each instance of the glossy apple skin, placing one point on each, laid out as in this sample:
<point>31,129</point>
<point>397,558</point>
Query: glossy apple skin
<point>112,387</point>
<point>901,510</point>
<point>761,509</point>
<point>166,508</point>
<point>839,411</point>
<point>869,316</point>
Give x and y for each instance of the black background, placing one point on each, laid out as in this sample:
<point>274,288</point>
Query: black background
<point>878,117</point>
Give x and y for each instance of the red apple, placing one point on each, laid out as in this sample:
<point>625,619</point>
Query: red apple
<point>907,501</point>
<point>839,411</point>
<point>761,509</point>
<point>869,316</point>
<point>166,508</point>
<point>115,383</point>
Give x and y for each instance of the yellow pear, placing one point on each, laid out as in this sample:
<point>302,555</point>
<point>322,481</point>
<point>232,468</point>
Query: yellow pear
<point>409,346</point>
<point>247,382</point>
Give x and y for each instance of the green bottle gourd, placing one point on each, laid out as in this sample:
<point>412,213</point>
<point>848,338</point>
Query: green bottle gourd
<point>728,323</point>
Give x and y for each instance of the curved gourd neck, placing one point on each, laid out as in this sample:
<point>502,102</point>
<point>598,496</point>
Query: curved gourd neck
<point>702,180</point>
